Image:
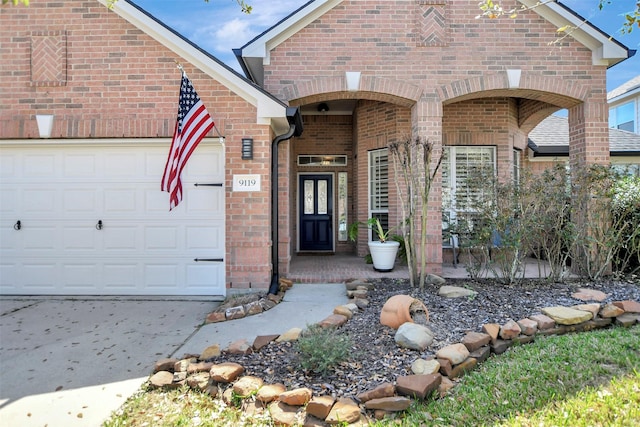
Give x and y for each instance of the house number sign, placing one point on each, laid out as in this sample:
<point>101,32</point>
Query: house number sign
<point>246,183</point>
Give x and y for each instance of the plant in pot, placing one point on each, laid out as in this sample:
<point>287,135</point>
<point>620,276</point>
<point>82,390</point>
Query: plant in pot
<point>384,250</point>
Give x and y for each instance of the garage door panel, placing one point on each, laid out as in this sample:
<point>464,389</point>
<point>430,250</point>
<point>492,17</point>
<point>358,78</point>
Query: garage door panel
<point>60,191</point>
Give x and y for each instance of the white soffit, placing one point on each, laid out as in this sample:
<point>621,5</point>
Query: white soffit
<point>606,51</point>
<point>269,111</point>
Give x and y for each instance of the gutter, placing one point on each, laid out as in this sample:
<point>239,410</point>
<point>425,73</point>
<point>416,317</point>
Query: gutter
<point>295,129</point>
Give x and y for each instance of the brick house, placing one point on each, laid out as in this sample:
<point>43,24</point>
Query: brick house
<point>361,73</point>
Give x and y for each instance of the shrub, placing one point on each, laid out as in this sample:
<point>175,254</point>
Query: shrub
<point>626,218</point>
<point>321,349</point>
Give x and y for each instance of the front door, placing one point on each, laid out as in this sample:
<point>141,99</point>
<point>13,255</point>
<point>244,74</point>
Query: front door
<point>316,212</point>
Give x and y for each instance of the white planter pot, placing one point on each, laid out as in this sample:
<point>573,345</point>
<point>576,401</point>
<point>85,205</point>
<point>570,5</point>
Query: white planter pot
<point>383,254</point>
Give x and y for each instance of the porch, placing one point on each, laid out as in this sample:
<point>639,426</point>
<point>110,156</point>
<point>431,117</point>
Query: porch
<point>341,267</point>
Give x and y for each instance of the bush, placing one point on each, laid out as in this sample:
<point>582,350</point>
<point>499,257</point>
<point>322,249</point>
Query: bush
<point>626,218</point>
<point>321,349</point>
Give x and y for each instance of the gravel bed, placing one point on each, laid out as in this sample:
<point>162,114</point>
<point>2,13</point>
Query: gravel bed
<point>376,358</point>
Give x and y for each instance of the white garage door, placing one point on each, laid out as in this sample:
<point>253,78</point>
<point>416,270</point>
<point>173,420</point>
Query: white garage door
<point>89,219</point>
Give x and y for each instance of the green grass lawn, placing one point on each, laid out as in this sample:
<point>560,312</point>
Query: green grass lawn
<point>585,379</point>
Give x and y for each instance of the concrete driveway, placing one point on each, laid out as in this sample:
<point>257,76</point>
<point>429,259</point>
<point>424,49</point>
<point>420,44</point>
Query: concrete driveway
<point>71,362</point>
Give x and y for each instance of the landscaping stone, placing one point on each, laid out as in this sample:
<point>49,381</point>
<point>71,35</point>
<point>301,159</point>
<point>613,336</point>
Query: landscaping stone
<point>455,353</point>
<point>591,308</point>
<point>491,329</point>
<point>481,354</point>
<point>445,367</point>
<point>215,317</point>
<point>628,306</point>
<point>475,340</point>
<point>500,346</point>
<point>283,414</point>
<point>239,347</point>
<point>199,381</point>
<point>464,367</point>
<point>628,319</point>
<point>414,336</point>
<point>383,390</point>
<point>510,330</point>
<point>226,372</point>
<point>544,322</point>
<point>210,352</point>
<point>566,316</point>
<point>343,411</point>
<point>390,404</point>
<point>421,366</point>
<point>320,406</point>
<point>528,326</point>
<point>344,311</point>
<point>297,397</point>
<point>165,365</point>
<point>585,294</point>
<point>610,310</point>
<point>524,339</point>
<point>445,386</point>
<point>333,321</point>
<point>161,379</point>
<point>455,292</point>
<point>270,392</point>
<point>262,341</point>
<point>418,386</point>
<point>291,335</point>
<point>199,367</point>
<point>253,308</point>
<point>247,385</point>
<point>434,279</point>
<point>234,313</point>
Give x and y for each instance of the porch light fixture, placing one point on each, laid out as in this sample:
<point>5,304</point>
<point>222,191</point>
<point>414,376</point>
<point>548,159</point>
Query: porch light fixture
<point>247,148</point>
<point>323,107</point>
<point>45,125</point>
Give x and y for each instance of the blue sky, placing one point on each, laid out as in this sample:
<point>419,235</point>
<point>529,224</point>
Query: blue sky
<point>219,26</point>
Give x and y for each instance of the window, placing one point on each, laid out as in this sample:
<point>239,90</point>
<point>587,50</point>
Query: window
<point>623,117</point>
<point>379,186</point>
<point>461,165</point>
<point>342,206</point>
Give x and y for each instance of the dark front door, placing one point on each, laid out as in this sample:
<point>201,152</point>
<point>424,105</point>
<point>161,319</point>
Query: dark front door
<point>316,212</point>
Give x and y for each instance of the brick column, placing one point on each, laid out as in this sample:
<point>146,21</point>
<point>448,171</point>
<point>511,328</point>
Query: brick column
<point>426,123</point>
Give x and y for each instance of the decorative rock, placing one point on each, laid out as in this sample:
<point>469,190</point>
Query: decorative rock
<point>481,354</point>
<point>397,310</point>
<point>611,310</point>
<point>253,407</point>
<point>500,346</point>
<point>421,366</point>
<point>566,316</point>
<point>475,340</point>
<point>296,397</point>
<point>413,336</point>
<point>320,406</point>
<point>239,347</point>
<point>528,326</point>
<point>270,392</point>
<point>445,367</point>
<point>161,379</point>
<point>628,306</point>
<point>344,311</point>
<point>344,411</point>
<point>210,352</point>
<point>419,386</point>
<point>199,367</point>
<point>456,292</point>
<point>434,279</point>
<point>391,404</point>
<point>361,303</point>
<point>267,304</point>
<point>585,294</point>
<point>455,353</point>
<point>165,365</point>
<point>591,308</point>
<point>199,381</point>
<point>491,329</point>
<point>354,284</point>
<point>353,307</point>
<point>463,367</point>
<point>287,283</point>
<point>509,330</point>
<point>291,335</point>
<point>524,339</point>
<point>253,308</point>
<point>215,317</point>
<point>360,293</point>
<point>179,376</point>
<point>227,396</point>
<point>628,319</point>
<point>333,321</point>
<point>283,414</point>
<point>234,313</point>
<point>262,341</point>
<point>247,385</point>
<point>445,386</point>
<point>181,365</point>
<point>544,322</point>
<point>226,372</point>
<point>275,298</point>
<point>383,390</point>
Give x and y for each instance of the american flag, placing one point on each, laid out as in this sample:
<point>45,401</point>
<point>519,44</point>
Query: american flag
<point>194,122</point>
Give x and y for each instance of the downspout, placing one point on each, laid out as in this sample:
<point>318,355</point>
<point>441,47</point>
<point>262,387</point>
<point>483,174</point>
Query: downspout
<point>295,129</point>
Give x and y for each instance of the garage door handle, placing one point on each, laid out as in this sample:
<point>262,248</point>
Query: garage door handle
<point>99,225</point>
<point>209,259</point>
<point>17,225</point>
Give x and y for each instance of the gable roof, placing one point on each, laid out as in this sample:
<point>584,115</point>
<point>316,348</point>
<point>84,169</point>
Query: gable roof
<point>625,90</point>
<point>256,53</point>
<point>270,110</point>
<point>551,138</point>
